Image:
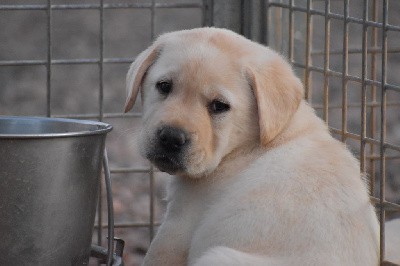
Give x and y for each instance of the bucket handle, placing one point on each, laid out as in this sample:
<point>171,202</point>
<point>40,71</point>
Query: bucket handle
<point>110,209</point>
<point>101,253</point>
<point>108,255</point>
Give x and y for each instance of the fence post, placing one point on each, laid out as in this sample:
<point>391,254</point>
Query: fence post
<point>228,14</point>
<point>241,16</point>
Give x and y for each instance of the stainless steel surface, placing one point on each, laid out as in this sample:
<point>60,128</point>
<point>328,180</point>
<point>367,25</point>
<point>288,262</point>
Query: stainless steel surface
<point>49,178</point>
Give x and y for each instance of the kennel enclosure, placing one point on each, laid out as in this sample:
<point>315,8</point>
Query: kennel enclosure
<point>346,53</point>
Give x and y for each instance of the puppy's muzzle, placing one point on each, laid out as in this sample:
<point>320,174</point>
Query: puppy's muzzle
<point>168,153</point>
<point>172,139</point>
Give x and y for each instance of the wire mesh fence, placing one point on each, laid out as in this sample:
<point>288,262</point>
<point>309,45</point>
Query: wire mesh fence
<point>68,59</point>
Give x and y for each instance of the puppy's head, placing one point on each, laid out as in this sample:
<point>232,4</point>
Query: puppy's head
<point>207,93</point>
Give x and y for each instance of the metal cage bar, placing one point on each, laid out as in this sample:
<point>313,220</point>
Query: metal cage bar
<point>345,64</point>
<point>363,88</point>
<point>151,170</point>
<point>307,70</point>
<point>101,117</point>
<point>326,59</point>
<point>99,6</point>
<point>374,41</point>
<point>49,55</point>
<point>383,131</point>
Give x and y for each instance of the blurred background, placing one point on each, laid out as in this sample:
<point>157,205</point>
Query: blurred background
<point>72,61</point>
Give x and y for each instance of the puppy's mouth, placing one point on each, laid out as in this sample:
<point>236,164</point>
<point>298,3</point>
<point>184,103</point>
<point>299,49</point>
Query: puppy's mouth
<point>166,163</point>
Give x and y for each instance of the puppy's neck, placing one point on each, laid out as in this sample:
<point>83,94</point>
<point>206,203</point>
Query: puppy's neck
<point>232,163</point>
<point>303,123</point>
<point>238,160</point>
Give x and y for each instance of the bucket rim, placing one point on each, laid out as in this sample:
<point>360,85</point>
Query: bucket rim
<point>100,127</point>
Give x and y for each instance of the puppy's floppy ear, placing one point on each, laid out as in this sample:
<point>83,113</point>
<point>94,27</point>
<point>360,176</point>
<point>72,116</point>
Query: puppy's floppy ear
<point>137,72</point>
<point>278,94</point>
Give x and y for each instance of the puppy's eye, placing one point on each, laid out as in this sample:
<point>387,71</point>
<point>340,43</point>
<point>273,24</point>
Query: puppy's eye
<point>217,107</point>
<point>164,87</point>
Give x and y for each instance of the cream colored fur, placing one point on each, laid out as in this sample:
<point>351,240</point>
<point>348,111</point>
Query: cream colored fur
<point>265,183</point>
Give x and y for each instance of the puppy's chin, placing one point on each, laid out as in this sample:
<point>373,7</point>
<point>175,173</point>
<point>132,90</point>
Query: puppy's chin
<point>198,170</point>
<point>175,167</point>
<point>166,163</point>
<point>183,165</point>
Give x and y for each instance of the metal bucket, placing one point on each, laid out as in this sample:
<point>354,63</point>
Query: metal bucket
<point>49,178</point>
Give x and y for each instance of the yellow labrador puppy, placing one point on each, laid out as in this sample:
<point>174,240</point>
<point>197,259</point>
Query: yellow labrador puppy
<point>259,180</point>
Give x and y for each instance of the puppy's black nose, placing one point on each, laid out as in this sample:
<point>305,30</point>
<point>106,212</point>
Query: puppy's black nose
<point>172,139</point>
